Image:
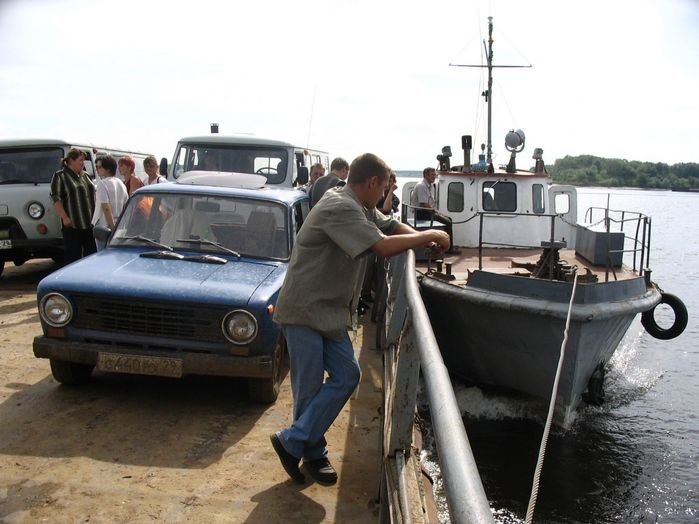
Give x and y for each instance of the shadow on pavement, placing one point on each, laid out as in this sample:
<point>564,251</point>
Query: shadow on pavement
<point>129,419</point>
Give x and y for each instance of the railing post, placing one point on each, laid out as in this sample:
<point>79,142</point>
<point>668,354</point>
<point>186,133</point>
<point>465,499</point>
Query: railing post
<point>480,241</point>
<point>551,249</point>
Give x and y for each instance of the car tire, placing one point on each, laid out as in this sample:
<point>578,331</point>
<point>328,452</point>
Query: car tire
<point>70,373</point>
<point>266,390</point>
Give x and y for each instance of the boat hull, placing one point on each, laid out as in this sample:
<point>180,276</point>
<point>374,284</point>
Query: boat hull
<point>505,331</point>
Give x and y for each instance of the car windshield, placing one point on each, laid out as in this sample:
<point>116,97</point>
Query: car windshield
<point>271,162</point>
<point>21,166</point>
<point>210,224</point>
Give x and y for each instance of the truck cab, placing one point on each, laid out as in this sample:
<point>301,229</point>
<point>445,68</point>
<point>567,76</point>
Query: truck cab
<point>282,163</point>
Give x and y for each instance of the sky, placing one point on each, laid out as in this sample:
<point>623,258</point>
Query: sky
<point>611,78</point>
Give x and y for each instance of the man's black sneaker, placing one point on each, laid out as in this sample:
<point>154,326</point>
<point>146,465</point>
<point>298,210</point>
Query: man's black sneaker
<point>289,462</point>
<point>321,470</point>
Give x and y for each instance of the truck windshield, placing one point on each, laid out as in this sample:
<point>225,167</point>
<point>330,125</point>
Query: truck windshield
<point>269,161</point>
<point>29,166</point>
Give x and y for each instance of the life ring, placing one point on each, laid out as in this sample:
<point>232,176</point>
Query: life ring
<point>678,326</point>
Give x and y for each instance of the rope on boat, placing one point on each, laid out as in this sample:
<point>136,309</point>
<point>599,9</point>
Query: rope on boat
<point>549,418</point>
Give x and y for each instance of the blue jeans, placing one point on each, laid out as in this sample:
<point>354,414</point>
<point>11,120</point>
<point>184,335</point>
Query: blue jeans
<point>316,403</point>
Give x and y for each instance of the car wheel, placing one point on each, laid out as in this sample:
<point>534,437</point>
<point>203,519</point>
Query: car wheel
<point>70,373</point>
<point>266,390</point>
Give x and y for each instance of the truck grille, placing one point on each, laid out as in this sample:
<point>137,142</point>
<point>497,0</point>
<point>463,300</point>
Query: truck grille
<point>148,318</point>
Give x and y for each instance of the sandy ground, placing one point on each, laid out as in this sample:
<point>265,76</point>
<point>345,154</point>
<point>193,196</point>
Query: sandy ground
<point>146,449</point>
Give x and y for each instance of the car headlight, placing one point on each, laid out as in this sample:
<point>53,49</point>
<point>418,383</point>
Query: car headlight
<point>239,326</point>
<point>55,310</point>
<point>35,210</point>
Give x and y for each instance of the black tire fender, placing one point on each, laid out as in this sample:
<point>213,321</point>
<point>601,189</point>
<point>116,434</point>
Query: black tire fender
<point>678,326</point>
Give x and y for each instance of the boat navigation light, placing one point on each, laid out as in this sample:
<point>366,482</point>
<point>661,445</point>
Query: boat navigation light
<point>443,159</point>
<point>538,155</point>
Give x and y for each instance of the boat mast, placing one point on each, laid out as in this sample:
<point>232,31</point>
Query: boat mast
<point>488,93</point>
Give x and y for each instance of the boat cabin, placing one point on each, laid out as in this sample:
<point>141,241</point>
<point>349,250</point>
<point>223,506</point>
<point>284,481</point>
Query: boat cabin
<point>505,207</point>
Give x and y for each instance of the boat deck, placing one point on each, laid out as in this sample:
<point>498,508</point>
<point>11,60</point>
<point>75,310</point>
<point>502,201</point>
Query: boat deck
<point>519,262</point>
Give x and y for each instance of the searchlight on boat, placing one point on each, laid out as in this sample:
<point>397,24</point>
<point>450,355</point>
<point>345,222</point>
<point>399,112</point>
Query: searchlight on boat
<point>514,143</point>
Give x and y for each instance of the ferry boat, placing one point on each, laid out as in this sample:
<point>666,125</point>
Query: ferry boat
<point>501,309</point>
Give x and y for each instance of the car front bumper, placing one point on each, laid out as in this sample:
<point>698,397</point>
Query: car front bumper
<point>108,357</point>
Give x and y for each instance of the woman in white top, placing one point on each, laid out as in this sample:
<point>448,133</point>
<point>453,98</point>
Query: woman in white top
<point>110,196</point>
<point>150,164</point>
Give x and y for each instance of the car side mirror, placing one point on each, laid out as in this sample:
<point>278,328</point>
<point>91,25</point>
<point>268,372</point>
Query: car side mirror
<point>303,175</point>
<point>102,233</point>
<point>163,167</point>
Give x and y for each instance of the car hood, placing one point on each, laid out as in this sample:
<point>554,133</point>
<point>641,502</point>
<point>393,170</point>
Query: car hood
<point>122,273</point>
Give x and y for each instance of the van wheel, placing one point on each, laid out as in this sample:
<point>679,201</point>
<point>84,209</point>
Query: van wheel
<point>266,390</point>
<point>70,373</point>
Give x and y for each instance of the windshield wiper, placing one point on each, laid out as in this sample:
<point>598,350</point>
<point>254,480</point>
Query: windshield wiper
<point>16,181</point>
<point>146,240</point>
<point>207,259</point>
<point>162,254</point>
<point>208,243</point>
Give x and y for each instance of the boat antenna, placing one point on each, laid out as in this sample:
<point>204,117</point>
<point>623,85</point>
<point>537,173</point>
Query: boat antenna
<point>488,93</point>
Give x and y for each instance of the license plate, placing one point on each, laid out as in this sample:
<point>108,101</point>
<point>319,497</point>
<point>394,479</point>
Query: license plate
<point>161,366</point>
<point>5,244</point>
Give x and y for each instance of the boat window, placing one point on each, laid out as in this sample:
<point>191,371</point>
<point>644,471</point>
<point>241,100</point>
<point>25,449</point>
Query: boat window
<point>455,197</point>
<point>500,196</point>
<point>538,205</point>
<point>562,204</point>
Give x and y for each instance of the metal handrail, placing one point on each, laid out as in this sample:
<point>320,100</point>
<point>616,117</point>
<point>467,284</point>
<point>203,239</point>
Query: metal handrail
<point>641,246</point>
<point>409,329</point>
<point>483,214</point>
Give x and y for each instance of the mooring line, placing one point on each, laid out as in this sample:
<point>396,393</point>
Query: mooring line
<point>549,418</point>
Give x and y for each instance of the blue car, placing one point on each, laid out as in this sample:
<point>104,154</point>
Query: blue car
<point>186,285</point>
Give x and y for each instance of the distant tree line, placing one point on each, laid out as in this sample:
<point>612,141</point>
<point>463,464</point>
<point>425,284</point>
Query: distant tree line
<point>587,170</point>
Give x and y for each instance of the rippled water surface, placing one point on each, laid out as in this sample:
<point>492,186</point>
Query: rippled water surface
<point>634,459</point>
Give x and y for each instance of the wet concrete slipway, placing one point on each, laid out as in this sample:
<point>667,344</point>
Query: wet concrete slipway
<point>145,449</point>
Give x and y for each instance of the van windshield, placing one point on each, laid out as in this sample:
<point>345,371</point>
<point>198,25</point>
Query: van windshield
<point>29,166</point>
<point>269,161</point>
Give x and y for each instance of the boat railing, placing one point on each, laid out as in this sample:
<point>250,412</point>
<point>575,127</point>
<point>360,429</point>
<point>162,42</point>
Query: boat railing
<point>410,347</point>
<point>639,238</point>
<point>551,243</point>
<point>614,221</point>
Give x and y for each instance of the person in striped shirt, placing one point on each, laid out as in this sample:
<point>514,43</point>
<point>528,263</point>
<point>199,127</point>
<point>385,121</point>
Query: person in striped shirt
<point>73,196</point>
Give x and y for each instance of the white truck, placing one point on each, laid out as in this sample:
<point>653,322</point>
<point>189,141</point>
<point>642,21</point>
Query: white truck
<point>281,162</point>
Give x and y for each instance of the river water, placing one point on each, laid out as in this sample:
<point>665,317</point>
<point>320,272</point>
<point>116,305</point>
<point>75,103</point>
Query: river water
<point>634,459</point>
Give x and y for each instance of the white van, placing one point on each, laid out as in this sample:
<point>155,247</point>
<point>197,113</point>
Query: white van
<point>282,163</point>
<point>29,225</point>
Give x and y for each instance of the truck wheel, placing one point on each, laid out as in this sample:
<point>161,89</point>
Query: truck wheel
<point>266,390</point>
<point>70,373</point>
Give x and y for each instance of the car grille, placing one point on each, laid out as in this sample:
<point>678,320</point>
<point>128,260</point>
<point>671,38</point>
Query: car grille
<point>153,319</point>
